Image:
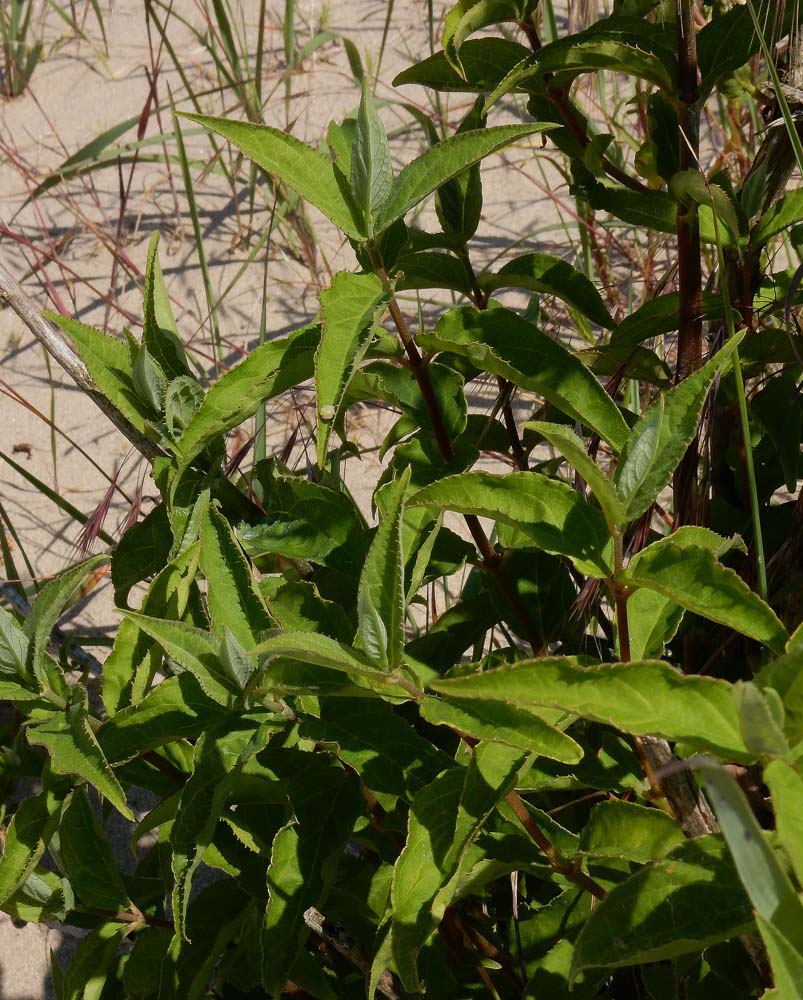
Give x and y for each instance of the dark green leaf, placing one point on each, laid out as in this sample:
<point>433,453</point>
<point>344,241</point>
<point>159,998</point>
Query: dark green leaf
<point>86,976</point>
<point>494,720</point>
<point>445,160</point>
<point>53,599</point>
<point>661,436</point>
<point>371,173</point>
<point>574,451</point>
<point>383,749</point>
<point>176,709</point>
<point>232,595</point>
<point>28,835</point>
<point>191,649</point>
<point>305,855</point>
<point>445,818</point>
<point>672,907</point>
<point>74,749</point>
<point>541,272</point>
<point>268,370</point>
<point>87,857</point>
<point>500,341</point>
<point>617,829</point>
<point>485,61</point>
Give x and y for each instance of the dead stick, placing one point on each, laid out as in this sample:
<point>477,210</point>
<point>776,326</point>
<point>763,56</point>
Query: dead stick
<point>54,343</point>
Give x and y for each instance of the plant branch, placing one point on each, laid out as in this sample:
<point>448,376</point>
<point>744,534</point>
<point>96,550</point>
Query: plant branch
<point>54,343</point>
<point>675,786</point>
<point>492,560</point>
<point>561,101</point>
<point>575,875</point>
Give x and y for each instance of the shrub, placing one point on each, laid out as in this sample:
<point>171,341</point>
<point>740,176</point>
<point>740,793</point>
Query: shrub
<point>500,799</point>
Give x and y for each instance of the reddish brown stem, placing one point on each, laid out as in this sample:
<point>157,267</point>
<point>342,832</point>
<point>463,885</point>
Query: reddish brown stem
<point>690,279</point>
<point>492,560</point>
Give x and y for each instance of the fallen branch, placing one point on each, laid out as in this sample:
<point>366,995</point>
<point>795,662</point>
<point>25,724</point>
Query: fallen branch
<point>54,343</point>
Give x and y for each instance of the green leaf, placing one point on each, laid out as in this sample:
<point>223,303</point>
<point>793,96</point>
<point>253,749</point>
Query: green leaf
<point>468,16</point>
<point>130,668</point>
<point>646,699</point>
<point>349,310</point>
<point>371,174</point>
<point>761,717</point>
<point>509,724</point>
<point>218,756</point>
<point>302,168</point>
<point>88,859</point>
<point>378,744</point>
<point>307,520</point>
<point>269,370</point>
<point>13,646</point>
<point>74,749</point>
<point>691,576</point>
<point>432,270</point>
<point>141,552</point>
<point>652,617</point>
<point>617,829</point>
<point>187,968</point>
<point>445,160</point>
<point>445,818</point>
<point>786,961</point>
<point>160,333</point>
<point>297,606</point>
<point>486,62</point>
<point>193,650</point>
<point>28,835</point>
<point>175,709</point>
<point>380,599</point>
<point>764,878</point>
<point>458,202</point>
<point>321,651</point>
<point>653,620</point>
<point>612,44</point>
<point>552,515</point>
<point>659,440</point>
<point>786,788</point>
<point>657,317</point>
<point>109,362</point>
<point>574,451</point>
<point>729,40</point>
<point>690,187</point>
<point>503,343</point>
<point>675,906</point>
<point>53,599</point>
<point>786,212</point>
<point>785,675</point>
<point>232,595</point>
<point>647,209</point>
<point>541,272</point>
<point>85,977</point>
<point>304,858</point>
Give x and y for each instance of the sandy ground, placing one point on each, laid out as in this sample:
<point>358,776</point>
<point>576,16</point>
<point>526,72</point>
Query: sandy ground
<point>62,255</point>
